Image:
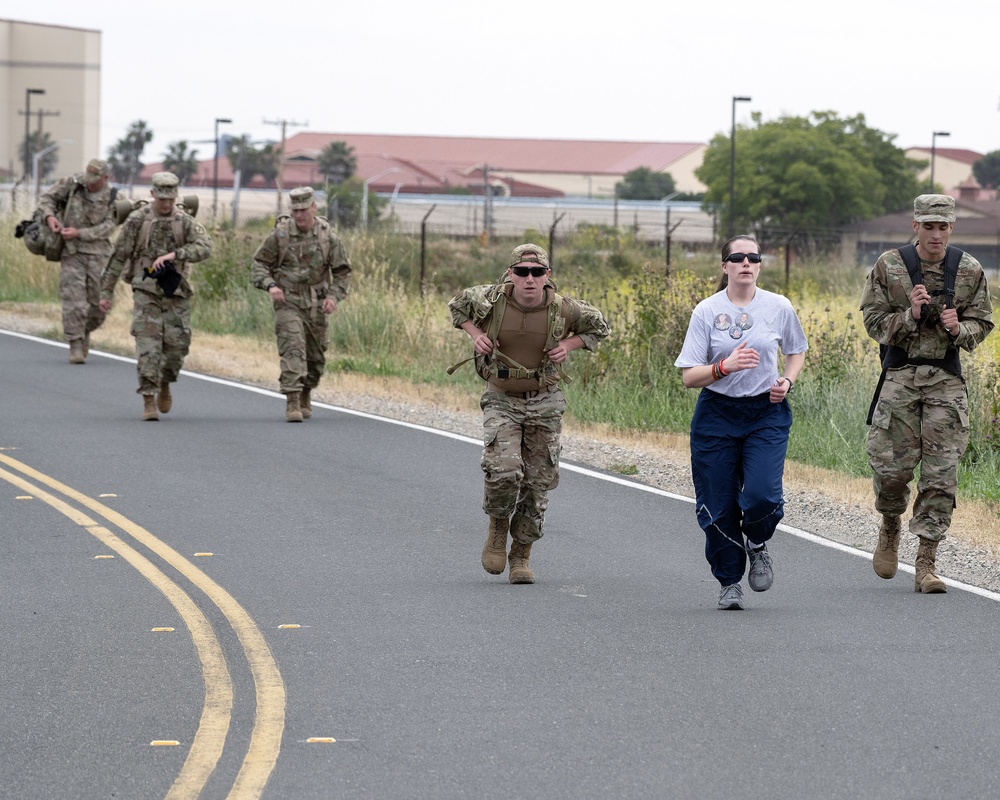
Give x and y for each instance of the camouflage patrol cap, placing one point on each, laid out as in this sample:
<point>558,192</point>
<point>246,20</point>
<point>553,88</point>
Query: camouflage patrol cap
<point>934,208</point>
<point>165,185</point>
<point>96,169</point>
<point>301,197</point>
<point>529,253</point>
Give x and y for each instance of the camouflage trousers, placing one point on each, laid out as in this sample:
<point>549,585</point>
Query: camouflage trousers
<point>922,417</point>
<point>302,335</point>
<point>80,292</point>
<point>162,330</point>
<point>521,457</point>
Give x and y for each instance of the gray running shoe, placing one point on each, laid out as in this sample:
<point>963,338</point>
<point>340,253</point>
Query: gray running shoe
<point>731,598</point>
<point>761,569</point>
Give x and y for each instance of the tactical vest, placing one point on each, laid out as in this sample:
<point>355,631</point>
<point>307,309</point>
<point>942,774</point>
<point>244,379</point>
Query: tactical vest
<point>149,216</point>
<point>498,365</point>
<point>284,227</point>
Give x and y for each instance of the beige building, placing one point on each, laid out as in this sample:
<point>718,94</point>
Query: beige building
<point>952,172</point>
<point>65,64</point>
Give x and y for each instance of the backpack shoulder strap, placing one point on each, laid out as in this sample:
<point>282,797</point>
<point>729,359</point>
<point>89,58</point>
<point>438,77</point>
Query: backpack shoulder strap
<point>908,252</point>
<point>282,232</point>
<point>324,237</point>
<point>953,256</point>
<point>142,240</point>
<point>496,313</point>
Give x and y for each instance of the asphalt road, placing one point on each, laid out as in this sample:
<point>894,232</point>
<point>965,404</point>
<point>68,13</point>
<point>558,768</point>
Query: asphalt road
<point>223,605</point>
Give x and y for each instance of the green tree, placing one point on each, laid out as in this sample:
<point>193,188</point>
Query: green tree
<point>250,160</point>
<point>807,173</point>
<point>644,184</point>
<point>987,170</point>
<point>35,144</point>
<point>344,203</point>
<point>337,162</point>
<point>181,161</point>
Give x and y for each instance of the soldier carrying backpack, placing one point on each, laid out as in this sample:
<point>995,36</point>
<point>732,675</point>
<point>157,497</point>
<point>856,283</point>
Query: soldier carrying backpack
<point>73,225</point>
<point>922,305</point>
<point>522,333</point>
<point>159,242</point>
<point>304,268</point>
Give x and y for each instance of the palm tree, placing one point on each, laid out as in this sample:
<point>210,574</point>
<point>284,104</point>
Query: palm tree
<point>181,161</point>
<point>337,162</point>
<point>124,155</point>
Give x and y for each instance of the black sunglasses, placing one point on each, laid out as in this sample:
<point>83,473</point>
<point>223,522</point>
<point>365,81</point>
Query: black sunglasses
<point>737,258</point>
<point>524,272</point>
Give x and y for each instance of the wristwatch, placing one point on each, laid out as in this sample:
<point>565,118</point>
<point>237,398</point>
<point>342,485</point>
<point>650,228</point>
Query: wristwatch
<point>791,384</point>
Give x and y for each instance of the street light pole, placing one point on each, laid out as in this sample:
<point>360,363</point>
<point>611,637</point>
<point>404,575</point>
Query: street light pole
<point>934,136</point>
<point>364,195</point>
<point>215,167</point>
<point>37,157</point>
<point>27,128</point>
<point>732,166</point>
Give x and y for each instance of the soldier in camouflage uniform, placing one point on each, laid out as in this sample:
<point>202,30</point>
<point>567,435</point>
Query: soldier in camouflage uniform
<point>80,208</point>
<point>305,270</point>
<point>921,413</point>
<point>159,242</point>
<point>523,404</point>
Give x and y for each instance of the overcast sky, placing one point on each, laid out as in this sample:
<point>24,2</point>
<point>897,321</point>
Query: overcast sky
<point>640,70</point>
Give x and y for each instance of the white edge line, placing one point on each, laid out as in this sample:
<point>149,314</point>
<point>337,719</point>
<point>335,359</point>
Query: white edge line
<point>801,534</point>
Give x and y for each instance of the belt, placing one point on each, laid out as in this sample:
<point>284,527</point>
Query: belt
<point>523,395</point>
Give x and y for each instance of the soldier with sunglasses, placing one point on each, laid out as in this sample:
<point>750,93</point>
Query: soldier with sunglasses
<point>739,431</point>
<point>522,333</point>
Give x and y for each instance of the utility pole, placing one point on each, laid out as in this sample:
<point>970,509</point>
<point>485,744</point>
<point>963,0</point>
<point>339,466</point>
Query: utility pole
<point>284,123</point>
<point>27,131</point>
<point>38,138</point>
<point>487,204</point>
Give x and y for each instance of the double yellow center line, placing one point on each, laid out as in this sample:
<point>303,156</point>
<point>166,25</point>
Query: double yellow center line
<point>209,740</point>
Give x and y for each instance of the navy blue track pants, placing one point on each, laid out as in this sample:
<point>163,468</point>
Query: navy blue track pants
<point>738,447</point>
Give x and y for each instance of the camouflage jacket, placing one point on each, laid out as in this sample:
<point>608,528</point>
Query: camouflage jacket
<point>885,304</point>
<point>89,212</point>
<point>308,262</point>
<point>131,257</point>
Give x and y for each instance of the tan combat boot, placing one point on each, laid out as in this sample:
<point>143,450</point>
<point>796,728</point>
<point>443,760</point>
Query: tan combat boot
<point>520,572</point>
<point>305,403</point>
<point>76,355</point>
<point>925,580</point>
<point>495,549</point>
<point>86,345</point>
<point>149,408</point>
<point>886,558</point>
<point>164,400</point>
<point>293,412</point>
